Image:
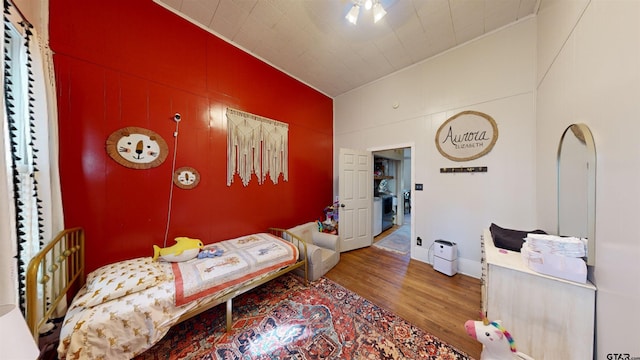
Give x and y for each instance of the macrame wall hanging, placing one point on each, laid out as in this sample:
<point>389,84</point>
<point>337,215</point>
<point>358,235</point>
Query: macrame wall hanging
<point>256,145</point>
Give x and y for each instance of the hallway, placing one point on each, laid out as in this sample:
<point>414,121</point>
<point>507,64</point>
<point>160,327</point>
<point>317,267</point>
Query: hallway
<point>397,238</point>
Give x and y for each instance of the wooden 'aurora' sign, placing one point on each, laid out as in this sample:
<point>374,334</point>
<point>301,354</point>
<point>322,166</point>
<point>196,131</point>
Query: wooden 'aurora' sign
<point>467,136</point>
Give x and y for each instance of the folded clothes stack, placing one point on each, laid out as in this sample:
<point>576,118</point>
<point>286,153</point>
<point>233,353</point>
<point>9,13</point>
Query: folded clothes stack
<point>558,245</point>
<point>556,256</point>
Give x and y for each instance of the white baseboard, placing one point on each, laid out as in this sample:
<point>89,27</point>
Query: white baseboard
<point>465,266</point>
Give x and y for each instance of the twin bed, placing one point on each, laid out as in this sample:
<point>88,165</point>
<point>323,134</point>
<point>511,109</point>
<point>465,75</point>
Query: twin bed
<point>123,309</point>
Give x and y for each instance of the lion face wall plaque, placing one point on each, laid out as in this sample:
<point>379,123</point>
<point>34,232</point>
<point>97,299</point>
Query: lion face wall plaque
<point>137,148</point>
<point>186,177</point>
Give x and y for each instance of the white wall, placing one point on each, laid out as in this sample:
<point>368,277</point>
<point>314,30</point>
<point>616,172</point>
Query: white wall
<point>37,12</point>
<point>495,75</point>
<point>589,72</point>
<point>577,61</point>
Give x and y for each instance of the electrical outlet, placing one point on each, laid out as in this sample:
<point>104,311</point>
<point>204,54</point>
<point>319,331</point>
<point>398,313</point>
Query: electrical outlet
<point>419,241</point>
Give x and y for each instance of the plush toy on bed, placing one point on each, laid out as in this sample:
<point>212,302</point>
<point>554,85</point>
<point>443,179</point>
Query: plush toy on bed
<point>497,342</point>
<point>210,252</point>
<point>184,249</point>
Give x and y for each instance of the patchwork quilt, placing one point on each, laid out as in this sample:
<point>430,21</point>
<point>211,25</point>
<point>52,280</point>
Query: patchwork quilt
<point>242,259</point>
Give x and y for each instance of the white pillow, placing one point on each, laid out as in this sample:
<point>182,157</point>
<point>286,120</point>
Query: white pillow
<point>122,278</point>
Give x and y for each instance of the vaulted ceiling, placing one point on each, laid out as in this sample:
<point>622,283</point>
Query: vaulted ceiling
<point>313,42</point>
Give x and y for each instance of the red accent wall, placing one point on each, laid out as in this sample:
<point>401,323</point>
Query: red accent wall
<point>125,63</point>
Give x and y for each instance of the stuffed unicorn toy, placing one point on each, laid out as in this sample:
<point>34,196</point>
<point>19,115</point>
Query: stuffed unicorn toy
<point>497,342</point>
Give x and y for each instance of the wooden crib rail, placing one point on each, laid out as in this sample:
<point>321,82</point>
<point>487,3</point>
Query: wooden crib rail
<point>50,275</point>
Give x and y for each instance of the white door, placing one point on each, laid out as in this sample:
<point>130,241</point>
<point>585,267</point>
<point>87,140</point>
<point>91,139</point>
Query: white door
<point>355,187</point>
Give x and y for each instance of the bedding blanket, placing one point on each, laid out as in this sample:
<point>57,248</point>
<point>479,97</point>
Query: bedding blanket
<point>242,259</point>
<point>126,307</point>
<point>119,328</point>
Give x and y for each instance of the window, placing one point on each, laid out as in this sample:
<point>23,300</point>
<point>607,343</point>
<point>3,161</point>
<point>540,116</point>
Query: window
<point>16,87</point>
<point>19,131</point>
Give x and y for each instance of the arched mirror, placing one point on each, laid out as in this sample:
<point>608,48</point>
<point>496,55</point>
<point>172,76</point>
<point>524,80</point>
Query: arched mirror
<point>577,186</point>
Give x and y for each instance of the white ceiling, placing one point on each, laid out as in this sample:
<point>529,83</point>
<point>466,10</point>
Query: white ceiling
<point>312,41</point>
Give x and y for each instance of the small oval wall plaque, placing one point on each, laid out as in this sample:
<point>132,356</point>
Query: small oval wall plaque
<point>467,136</point>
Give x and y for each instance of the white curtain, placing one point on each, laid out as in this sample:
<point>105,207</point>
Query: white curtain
<point>48,176</point>
<point>46,208</point>
<point>8,271</point>
<point>256,145</point>
<point>8,247</point>
<point>47,137</point>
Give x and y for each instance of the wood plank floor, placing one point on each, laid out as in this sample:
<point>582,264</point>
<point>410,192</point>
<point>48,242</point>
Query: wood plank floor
<point>413,290</point>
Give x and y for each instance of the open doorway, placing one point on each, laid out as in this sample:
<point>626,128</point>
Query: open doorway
<point>392,199</point>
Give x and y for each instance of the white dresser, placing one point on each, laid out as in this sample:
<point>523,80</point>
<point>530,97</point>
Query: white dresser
<point>548,317</point>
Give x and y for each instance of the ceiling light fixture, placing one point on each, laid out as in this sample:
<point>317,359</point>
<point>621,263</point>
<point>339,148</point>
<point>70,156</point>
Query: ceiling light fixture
<point>378,11</point>
<point>352,15</point>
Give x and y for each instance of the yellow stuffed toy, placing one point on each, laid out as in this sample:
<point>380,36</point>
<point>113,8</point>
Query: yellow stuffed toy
<point>184,249</point>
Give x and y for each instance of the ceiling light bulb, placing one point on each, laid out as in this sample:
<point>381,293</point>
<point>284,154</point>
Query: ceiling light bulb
<point>368,4</point>
<point>378,12</point>
<point>352,15</point>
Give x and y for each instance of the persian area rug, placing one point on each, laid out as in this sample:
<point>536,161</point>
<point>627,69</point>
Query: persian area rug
<point>283,319</point>
<point>398,241</point>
